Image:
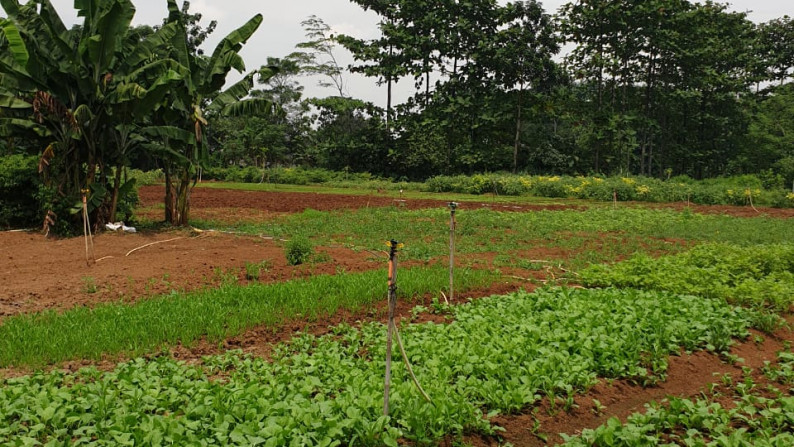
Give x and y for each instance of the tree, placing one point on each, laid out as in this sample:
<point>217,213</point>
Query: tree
<point>525,45</point>
<point>74,84</point>
<point>667,74</point>
<point>350,135</point>
<point>316,56</point>
<point>184,147</point>
<point>771,132</point>
<point>776,42</point>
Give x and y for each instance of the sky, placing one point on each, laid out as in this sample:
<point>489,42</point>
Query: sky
<point>281,30</point>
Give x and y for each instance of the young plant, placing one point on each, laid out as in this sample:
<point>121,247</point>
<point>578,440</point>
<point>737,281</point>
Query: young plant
<point>298,250</point>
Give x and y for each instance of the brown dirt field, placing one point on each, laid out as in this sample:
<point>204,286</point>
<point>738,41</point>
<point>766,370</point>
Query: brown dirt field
<point>38,274</point>
<point>204,199</point>
<point>260,203</point>
<point>35,277</point>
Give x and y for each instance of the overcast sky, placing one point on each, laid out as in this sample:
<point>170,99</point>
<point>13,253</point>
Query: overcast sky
<point>281,29</point>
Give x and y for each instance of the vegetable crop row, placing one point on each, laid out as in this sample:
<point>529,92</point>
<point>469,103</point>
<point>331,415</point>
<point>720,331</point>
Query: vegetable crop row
<point>758,417</point>
<point>146,325</point>
<point>760,275</point>
<point>498,354</point>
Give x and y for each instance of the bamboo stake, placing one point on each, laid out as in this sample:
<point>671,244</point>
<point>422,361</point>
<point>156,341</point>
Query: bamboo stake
<point>750,196</point>
<point>89,240</point>
<point>393,246</point>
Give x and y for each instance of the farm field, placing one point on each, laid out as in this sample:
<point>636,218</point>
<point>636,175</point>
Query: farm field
<point>239,347</point>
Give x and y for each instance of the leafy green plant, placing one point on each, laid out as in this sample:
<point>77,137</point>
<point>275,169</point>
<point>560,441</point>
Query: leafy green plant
<point>298,250</point>
<point>759,275</point>
<point>498,356</point>
<point>752,419</point>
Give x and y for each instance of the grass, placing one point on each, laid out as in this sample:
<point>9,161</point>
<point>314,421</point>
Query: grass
<point>88,333</point>
<point>620,232</point>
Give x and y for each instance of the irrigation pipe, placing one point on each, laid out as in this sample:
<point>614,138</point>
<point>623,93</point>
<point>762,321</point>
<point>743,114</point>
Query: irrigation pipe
<point>152,243</point>
<point>408,365</point>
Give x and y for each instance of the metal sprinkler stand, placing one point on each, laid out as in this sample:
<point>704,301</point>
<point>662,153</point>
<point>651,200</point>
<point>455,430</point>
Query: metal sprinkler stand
<point>452,224</point>
<point>393,247</point>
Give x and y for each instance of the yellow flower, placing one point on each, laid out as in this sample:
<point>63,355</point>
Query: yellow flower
<point>642,190</point>
<point>790,196</point>
<point>628,180</point>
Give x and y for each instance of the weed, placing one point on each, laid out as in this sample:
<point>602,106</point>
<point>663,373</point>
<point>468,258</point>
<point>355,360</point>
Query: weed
<point>224,277</point>
<point>253,270</point>
<point>298,250</point>
<point>89,284</point>
<point>320,257</point>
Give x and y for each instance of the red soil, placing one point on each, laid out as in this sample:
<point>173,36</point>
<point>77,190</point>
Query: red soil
<point>38,274</point>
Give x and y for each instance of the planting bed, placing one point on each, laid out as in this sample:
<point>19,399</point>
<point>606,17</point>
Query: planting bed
<point>39,274</point>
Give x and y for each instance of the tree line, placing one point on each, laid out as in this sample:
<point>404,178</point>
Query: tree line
<point>657,88</point>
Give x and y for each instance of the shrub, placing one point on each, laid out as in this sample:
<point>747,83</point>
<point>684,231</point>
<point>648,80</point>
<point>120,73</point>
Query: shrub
<point>19,186</point>
<point>299,249</point>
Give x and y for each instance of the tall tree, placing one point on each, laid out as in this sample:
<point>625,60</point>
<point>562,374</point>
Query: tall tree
<point>317,56</point>
<point>200,92</point>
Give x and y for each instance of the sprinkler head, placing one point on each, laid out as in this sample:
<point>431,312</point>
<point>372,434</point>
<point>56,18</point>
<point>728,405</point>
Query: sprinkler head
<point>453,205</point>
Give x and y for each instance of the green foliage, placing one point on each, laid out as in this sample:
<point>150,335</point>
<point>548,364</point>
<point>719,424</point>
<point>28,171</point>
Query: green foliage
<point>19,188</point>
<point>758,275</point>
<point>507,353</point>
<point>298,250</point>
<point>145,178</point>
<point>739,190</point>
<point>752,419</point>
<point>253,270</point>
<point>783,371</point>
<point>144,326</point>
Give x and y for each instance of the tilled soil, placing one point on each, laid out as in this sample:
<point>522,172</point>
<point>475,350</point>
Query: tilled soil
<point>40,274</point>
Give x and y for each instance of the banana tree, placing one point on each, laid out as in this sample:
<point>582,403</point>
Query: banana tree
<point>199,95</point>
<point>87,89</point>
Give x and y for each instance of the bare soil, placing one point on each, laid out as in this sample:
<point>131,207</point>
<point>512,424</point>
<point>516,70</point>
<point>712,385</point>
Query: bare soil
<point>44,274</point>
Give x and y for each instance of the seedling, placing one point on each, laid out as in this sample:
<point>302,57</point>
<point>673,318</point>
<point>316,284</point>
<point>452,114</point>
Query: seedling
<point>598,407</point>
<point>89,285</point>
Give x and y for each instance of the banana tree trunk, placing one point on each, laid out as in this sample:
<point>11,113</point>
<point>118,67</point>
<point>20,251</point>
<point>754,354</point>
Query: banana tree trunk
<point>170,197</point>
<point>183,199</point>
<point>114,201</point>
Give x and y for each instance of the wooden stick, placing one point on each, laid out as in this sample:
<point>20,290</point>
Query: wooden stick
<point>152,243</point>
<point>89,240</point>
<point>750,196</point>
